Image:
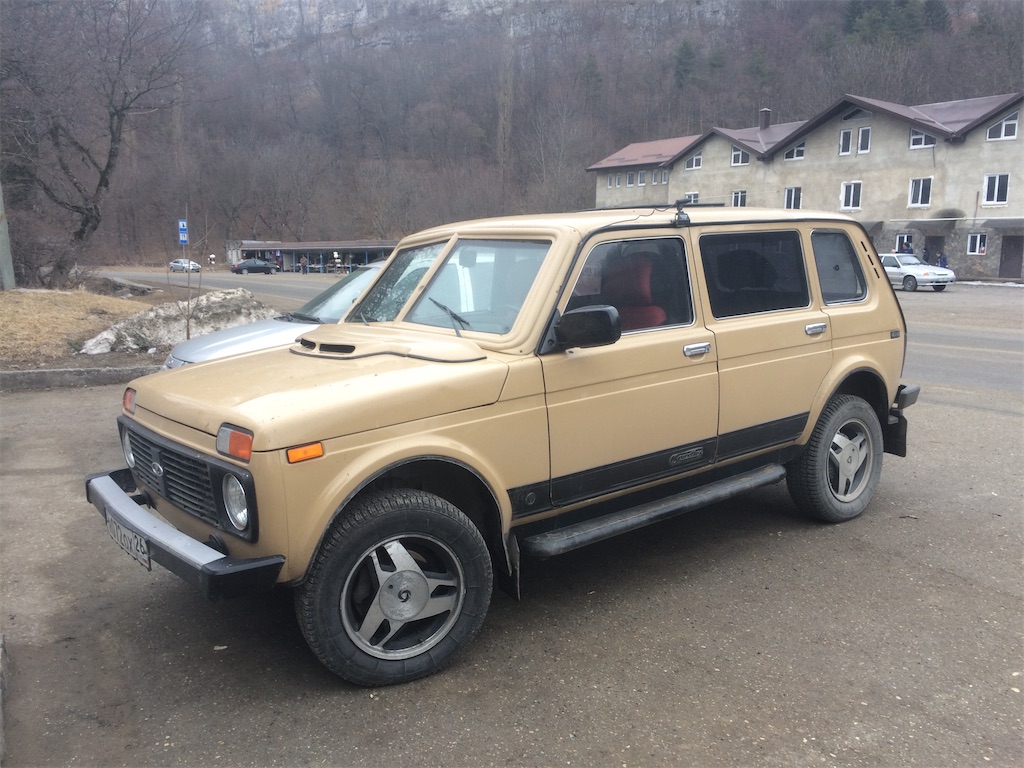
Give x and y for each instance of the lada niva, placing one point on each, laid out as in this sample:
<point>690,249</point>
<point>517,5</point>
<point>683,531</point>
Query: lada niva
<point>512,388</point>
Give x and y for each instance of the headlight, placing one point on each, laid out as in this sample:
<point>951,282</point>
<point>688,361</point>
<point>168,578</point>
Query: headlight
<point>234,502</point>
<point>126,446</point>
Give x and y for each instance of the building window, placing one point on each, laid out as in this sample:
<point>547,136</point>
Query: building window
<point>864,140</point>
<point>740,156</point>
<point>641,178</point>
<point>996,188</point>
<point>851,195</point>
<point>739,198</point>
<point>691,198</point>
<point>693,162</point>
<point>618,179</point>
<point>629,178</point>
<point>920,193</point>
<point>1005,128</point>
<point>609,181</point>
<point>920,139</point>
<point>795,153</point>
<point>794,197</point>
<point>904,243</point>
<point>976,242</point>
<point>664,176</point>
<point>845,141</point>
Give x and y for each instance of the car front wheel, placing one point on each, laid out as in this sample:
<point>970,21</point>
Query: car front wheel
<point>835,476</point>
<point>909,283</point>
<point>399,587</point>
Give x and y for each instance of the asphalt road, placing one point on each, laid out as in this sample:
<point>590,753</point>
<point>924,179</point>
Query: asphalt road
<point>739,635</point>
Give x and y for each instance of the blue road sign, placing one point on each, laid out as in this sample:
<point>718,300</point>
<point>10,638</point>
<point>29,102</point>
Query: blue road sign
<point>183,231</point>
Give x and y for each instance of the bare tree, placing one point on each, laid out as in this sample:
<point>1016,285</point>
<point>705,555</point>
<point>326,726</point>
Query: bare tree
<point>75,74</point>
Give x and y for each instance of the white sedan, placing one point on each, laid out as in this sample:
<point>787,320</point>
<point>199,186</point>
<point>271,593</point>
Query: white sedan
<point>183,265</point>
<point>906,270</point>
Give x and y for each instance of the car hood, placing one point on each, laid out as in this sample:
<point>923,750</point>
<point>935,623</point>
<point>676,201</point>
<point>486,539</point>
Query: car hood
<point>925,269</point>
<point>337,382</point>
<point>251,337</point>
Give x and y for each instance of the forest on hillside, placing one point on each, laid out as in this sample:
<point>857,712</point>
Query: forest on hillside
<point>346,119</point>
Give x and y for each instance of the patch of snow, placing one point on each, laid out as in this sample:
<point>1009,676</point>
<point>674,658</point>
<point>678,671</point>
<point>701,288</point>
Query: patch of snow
<point>165,325</point>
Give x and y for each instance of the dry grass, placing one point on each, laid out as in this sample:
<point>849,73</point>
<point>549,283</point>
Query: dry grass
<point>48,325</point>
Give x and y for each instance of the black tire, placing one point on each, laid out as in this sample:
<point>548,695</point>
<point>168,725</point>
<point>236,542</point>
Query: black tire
<point>909,283</point>
<point>835,476</point>
<point>412,565</point>
<point>938,288</point>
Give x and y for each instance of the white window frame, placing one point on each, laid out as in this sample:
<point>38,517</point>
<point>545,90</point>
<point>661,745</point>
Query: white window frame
<point>977,242</point>
<point>740,156</point>
<point>664,176</point>
<point>610,177</point>
<point>864,140</point>
<point>846,141</point>
<point>906,239</point>
<point>739,198</point>
<point>654,176</point>
<point>691,198</point>
<point>630,177</point>
<point>1006,129</point>
<point>851,195</point>
<point>694,162</point>
<point>641,178</point>
<point>796,152</point>
<point>794,198</point>
<point>920,140</point>
<point>920,195</point>
<point>992,186</point>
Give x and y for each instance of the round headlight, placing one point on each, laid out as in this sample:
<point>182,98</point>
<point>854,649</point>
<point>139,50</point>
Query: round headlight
<point>234,502</point>
<point>126,446</point>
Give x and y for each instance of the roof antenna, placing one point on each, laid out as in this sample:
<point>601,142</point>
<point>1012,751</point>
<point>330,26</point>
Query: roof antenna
<point>681,218</point>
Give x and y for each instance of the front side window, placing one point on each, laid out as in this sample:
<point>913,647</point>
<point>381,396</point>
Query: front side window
<point>796,153</point>
<point>740,156</point>
<point>920,192</point>
<point>920,139</point>
<point>850,198</point>
<point>996,188</point>
<point>845,141</point>
<point>839,272</point>
<point>645,280</point>
<point>751,272</point>
<point>864,140</point>
<point>976,242</point>
<point>693,162</point>
<point>1005,128</point>
<point>739,198</point>
<point>479,286</point>
<point>794,197</point>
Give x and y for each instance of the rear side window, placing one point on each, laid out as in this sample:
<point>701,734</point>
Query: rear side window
<point>839,271</point>
<point>751,272</point>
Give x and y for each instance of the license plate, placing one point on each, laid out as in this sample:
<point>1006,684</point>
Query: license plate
<point>130,542</point>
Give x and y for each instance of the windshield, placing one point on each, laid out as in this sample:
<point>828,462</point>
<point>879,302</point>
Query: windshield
<point>331,305</point>
<point>480,286</point>
<point>908,261</point>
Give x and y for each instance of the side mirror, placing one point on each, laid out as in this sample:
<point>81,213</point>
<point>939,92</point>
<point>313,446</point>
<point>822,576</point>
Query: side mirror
<point>588,327</point>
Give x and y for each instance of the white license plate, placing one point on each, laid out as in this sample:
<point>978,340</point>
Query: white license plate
<point>130,542</point>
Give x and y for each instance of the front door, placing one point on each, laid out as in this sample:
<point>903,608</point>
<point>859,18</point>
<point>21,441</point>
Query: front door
<point>645,407</point>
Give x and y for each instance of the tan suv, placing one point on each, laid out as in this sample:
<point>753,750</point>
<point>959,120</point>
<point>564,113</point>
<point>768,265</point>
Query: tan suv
<point>515,387</point>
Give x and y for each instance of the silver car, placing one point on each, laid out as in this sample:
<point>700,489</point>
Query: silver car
<point>906,270</point>
<point>327,307</point>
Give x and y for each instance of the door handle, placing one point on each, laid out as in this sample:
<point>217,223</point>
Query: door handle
<point>814,329</point>
<point>695,350</point>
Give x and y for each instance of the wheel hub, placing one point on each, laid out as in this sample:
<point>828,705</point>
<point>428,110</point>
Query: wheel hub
<point>404,596</point>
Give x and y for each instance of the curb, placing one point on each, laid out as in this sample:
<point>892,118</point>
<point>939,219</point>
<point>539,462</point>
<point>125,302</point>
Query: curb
<point>24,381</point>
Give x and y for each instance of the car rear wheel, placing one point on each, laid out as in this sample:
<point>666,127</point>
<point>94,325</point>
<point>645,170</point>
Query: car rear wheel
<point>399,587</point>
<point>835,476</point>
<point>938,288</point>
<point>909,283</point>
<point>245,271</point>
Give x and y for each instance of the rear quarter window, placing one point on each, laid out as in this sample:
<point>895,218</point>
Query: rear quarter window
<point>839,271</point>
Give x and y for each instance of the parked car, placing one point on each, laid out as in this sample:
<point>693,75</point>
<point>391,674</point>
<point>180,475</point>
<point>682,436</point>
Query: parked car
<point>907,271</point>
<point>245,266</point>
<point>515,388</point>
<point>184,265</point>
<point>327,307</point>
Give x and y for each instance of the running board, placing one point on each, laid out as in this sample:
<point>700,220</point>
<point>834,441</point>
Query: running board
<point>581,534</point>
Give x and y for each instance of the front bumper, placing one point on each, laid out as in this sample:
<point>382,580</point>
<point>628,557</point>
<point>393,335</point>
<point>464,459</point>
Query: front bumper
<point>213,573</point>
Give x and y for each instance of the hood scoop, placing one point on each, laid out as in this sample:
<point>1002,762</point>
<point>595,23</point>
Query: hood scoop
<point>340,343</point>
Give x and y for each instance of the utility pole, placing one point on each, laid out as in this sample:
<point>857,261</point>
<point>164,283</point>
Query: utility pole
<point>6,263</point>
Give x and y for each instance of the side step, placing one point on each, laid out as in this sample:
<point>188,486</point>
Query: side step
<point>581,534</point>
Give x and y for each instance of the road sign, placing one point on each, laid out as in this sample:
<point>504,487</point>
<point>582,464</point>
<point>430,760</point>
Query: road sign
<point>183,231</point>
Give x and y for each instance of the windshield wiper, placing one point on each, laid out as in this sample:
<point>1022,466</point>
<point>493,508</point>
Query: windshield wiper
<point>455,317</point>
<point>303,318</point>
